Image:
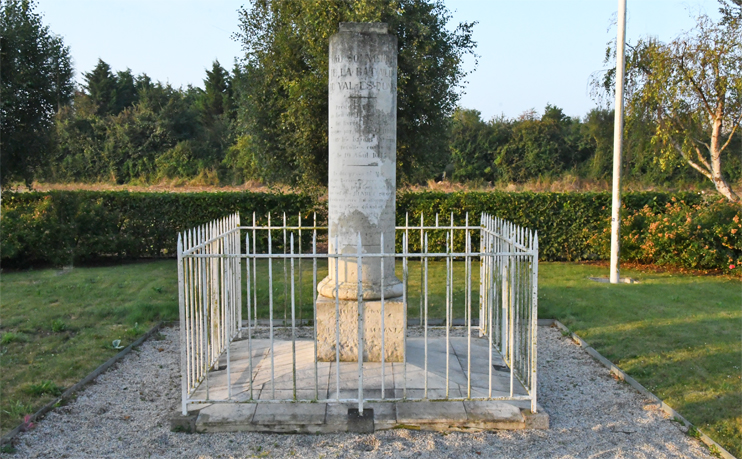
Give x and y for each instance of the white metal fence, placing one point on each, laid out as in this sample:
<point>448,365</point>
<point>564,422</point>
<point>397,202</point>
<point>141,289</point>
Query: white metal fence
<point>271,356</point>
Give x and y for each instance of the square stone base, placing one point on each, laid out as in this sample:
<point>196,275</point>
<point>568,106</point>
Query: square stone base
<point>394,324</point>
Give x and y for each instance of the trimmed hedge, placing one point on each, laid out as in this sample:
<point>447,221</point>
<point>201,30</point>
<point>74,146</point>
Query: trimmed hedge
<point>656,227</point>
<point>70,227</point>
<point>66,227</point>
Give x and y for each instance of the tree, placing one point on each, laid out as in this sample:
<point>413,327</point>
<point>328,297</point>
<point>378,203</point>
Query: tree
<point>125,91</point>
<point>100,85</point>
<point>283,97</point>
<point>691,89</point>
<point>217,95</point>
<point>35,81</point>
<point>730,10</point>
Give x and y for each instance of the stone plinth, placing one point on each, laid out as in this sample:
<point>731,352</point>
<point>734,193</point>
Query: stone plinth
<point>394,330</point>
<point>362,158</point>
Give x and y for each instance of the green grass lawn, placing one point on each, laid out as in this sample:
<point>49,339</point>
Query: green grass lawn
<point>58,326</point>
<point>679,335</point>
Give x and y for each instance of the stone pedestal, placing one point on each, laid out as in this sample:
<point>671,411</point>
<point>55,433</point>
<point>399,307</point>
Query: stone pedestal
<point>362,138</point>
<point>394,330</point>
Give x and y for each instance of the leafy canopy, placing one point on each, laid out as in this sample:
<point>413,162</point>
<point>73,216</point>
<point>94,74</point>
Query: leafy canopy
<point>35,80</point>
<point>283,95</point>
<point>691,90</point>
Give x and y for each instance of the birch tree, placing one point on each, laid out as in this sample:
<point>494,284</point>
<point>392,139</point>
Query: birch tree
<point>691,89</point>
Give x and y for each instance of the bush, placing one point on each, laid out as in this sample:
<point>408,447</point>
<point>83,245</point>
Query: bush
<point>65,227</point>
<point>706,235</point>
<point>72,227</point>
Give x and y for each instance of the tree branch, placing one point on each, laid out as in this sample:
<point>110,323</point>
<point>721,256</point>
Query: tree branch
<point>695,86</point>
<point>701,158</point>
<point>706,172</point>
<point>735,125</point>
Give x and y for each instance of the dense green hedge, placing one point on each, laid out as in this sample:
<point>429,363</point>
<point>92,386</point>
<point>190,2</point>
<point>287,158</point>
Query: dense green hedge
<point>683,229</point>
<point>64,227</point>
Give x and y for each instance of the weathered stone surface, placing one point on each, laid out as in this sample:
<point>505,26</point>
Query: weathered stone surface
<point>394,330</point>
<point>362,158</point>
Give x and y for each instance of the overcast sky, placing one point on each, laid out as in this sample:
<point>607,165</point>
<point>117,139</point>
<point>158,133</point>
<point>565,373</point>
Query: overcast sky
<point>531,52</point>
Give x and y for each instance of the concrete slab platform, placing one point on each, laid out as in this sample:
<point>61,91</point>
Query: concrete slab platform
<point>320,412</point>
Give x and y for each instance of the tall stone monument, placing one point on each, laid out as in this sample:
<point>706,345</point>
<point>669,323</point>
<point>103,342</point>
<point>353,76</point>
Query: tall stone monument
<point>362,195</point>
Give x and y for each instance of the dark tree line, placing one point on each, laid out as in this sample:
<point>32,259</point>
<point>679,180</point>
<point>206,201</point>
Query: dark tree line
<point>124,128</point>
<point>537,146</point>
<point>266,119</point>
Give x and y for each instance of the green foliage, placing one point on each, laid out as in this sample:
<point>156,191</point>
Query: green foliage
<point>43,388</point>
<point>690,91</point>
<point>11,337</point>
<point>64,228</point>
<point>17,409</point>
<point>701,235</point>
<point>566,222</point>
<point>58,326</point>
<point>100,85</point>
<point>127,129</point>
<point>35,81</point>
<point>283,85</point>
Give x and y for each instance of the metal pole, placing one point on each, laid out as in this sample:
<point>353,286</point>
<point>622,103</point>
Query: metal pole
<point>617,144</point>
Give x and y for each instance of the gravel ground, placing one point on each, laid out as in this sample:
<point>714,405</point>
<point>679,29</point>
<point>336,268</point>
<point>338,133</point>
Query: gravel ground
<point>124,414</point>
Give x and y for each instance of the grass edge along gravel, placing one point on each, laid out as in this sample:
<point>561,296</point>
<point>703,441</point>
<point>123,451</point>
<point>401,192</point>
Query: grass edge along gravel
<point>59,325</point>
<point>693,431</point>
<point>567,295</point>
<point>70,393</point>
<point>676,334</point>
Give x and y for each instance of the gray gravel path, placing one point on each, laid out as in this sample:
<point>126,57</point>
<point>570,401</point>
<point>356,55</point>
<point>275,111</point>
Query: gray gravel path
<point>124,414</point>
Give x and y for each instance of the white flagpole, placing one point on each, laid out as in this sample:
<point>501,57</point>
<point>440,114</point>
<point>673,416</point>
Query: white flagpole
<point>617,143</point>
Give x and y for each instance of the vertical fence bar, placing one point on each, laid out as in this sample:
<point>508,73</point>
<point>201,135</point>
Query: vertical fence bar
<point>361,312</point>
<point>229,306</point>
<point>314,307</point>
<point>382,317</point>
<point>301,273</point>
<point>254,268</point>
<point>511,308</point>
<point>249,328</point>
<point>483,274</point>
<point>468,308</point>
<point>285,275</point>
<point>405,278</point>
<point>270,308</point>
<point>422,225</point>
<point>293,319</point>
<point>448,311</point>
<point>534,322</point>
<point>425,294</point>
<point>337,319</point>
<point>183,328</point>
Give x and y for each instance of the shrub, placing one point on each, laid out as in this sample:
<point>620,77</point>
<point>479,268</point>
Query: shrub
<point>682,229</point>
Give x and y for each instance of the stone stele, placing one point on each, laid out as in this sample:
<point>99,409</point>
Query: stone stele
<point>361,194</point>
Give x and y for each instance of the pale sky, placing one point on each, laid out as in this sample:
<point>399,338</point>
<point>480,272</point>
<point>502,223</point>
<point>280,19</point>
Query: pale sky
<point>532,52</point>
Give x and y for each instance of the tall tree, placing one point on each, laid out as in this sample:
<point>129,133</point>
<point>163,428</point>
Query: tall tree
<point>125,91</point>
<point>100,85</point>
<point>691,88</point>
<point>35,81</point>
<point>217,91</point>
<point>283,103</point>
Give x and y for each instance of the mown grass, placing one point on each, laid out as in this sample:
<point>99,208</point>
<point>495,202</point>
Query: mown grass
<point>679,335</point>
<point>57,326</point>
